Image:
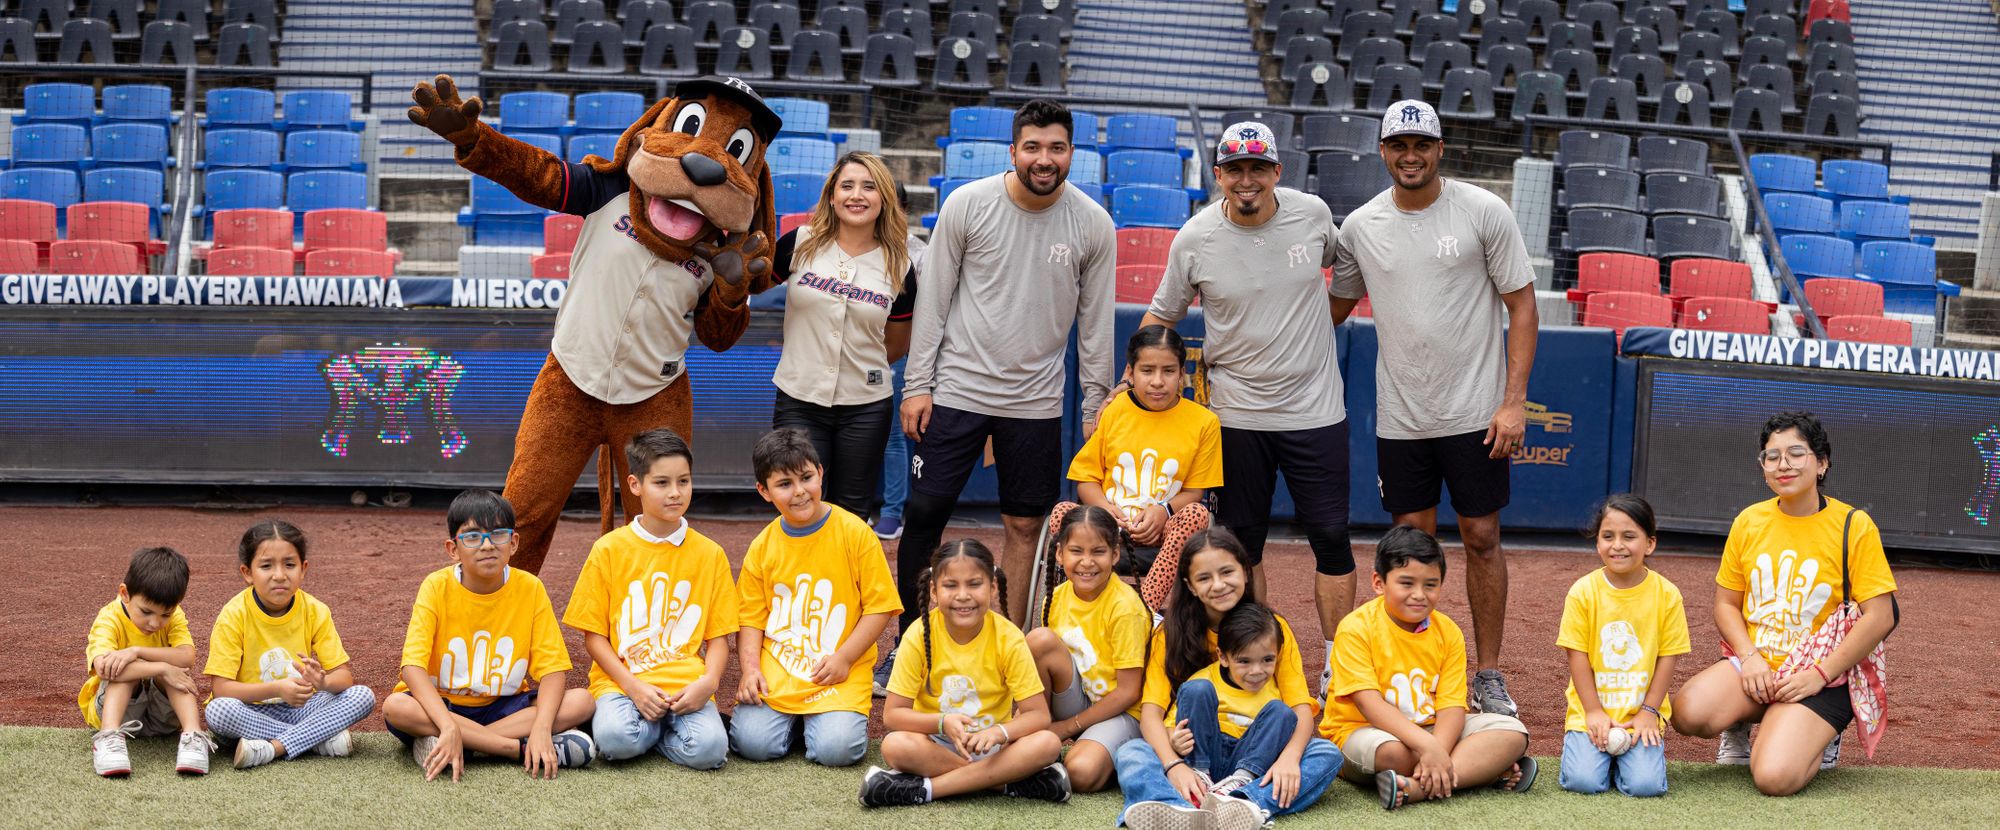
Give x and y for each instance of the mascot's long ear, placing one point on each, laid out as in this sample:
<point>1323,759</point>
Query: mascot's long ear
<point>629,142</point>
<point>766,220</point>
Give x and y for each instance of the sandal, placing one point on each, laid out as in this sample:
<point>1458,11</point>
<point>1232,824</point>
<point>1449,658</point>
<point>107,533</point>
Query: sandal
<point>1389,786</point>
<point>1529,767</point>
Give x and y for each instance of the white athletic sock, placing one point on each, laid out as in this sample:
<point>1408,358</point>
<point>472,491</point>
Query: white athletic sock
<point>928,797</point>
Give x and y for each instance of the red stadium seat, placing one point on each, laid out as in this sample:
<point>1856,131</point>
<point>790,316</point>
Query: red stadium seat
<point>1144,246</point>
<point>1860,328</point>
<point>127,222</point>
<point>559,233</point>
<point>250,262</point>
<point>254,228</point>
<point>365,230</point>
<point>789,221</point>
<point>19,256</point>
<point>1138,283</point>
<point>92,256</point>
<point>1696,277</point>
<point>552,267</point>
<point>1833,297</point>
<point>346,262</point>
<point>1827,9</point>
<point>1731,314</point>
<point>1597,272</point>
<point>29,220</point>
<point>1620,310</point>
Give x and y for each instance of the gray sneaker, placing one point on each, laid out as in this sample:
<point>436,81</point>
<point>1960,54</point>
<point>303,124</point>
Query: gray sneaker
<point>1489,693</point>
<point>882,673</point>
<point>1228,812</point>
<point>1734,750</point>
<point>1159,815</point>
<point>1830,756</point>
<point>420,749</point>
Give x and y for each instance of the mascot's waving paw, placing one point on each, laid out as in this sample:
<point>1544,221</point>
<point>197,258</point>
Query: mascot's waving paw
<point>440,110</point>
<point>736,255</point>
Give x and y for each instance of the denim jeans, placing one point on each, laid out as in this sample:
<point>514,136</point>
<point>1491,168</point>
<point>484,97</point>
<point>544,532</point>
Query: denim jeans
<point>1641,772</point>
<point>694,740</point>
<point>895,457</point>
<point>833,739</point>
<point>1142,779</point>
<point>1219,754</point>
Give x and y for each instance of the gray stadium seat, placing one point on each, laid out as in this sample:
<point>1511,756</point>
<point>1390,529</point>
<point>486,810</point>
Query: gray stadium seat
<point>1695,7</point>
<point>1613,99</point>
<point>1283,124</point>
<point>1345,133</point>
<point>745,53</point>
<point>523,46</point>
<point>1035,67</point>
<point>1361,26</point>
<point>1297,170</point>
<point>890,62</point>
<point>1349,180</point>
<point>123,15</point>
<point>1666,154</point>
<point>1468,92</point>
<point>1827,29</point>
<point>990,8</point>
<point>1539,14</point>
<point>851,24</point>
<point>1780,27</point>
<point>94,35</point>
<point>778,20</point>
<point>569,13</point>
<point>1473,16</point>
<point>1647,72</point>
<point>1570,35</point>
<point>1682,193</point>
<point>1320,81</point>
<point>1606,229</point>
<point>1435,28</point>
<point>1777,79</point>
<point>1503,30</point>
<point>915,25</point>
<point>1062,10</point>
<point>1275,10</point>
<point>1540,92</point>
<point>1508,61</point>
<point>55,13</point>
<point>1760,107</point>
<point>1445,56</point>
<point>668,51</point>
<point>1405,13</point>
<point>508,11</point>
<point>1602,18</point>
<point>1036,28</point>
<point>973,26</point>
<point>243,43</point>
<point>1306,49</point>
<point>1764,50</point>
<point>1836,57</point>
<point>1681,235</point>
<point>192,12</point>
<point>1696,46</point>
<point>708,19</point>
<point>962,65</point>
<point>1713,74</point>
<point>1839,83</point>
<point>1720,23</point>
<point>20,36</point>
<point>1594,148</point>
<point>1576,67</point>
<point>640,15</point>
<point>815,56</point>
<point>1663,20</point>
<point>261,12</point>
<point>1634,40</point>
<point>168,42</point>
<point>1393,83</point>
<point>1759,8</point>
<point>597,47</point>
<point>1298,21</point>
<point>1839,113</point>
<point>1683,102</point>
<point>1375,52</point>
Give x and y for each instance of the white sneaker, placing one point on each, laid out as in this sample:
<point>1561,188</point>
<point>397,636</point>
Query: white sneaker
<point>1228,786</point>
<point>1830,757</point>
<point>1227,812</point>
<point>108,754</point>
<point>1734,750</point>
<point>1159,815</point>
<point>420,749</point>
<point>251,752</point>
<point>338,746</point>
<point>573,749</point>
<point>192,757</point>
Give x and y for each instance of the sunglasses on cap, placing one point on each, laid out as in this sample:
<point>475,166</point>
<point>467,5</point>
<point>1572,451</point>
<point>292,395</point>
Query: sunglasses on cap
<point>1254,146</point>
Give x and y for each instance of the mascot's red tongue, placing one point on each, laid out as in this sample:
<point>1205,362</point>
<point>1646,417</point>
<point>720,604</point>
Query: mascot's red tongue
<point>674,220</point>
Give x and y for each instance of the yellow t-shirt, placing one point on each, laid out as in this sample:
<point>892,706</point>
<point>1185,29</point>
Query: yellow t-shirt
<point>1103,635</point>
<point>113,630</point>
<point>1140,456</point>
<point>807,589</point>
<point>1625,632</point>
<point>657,602</point>
<point>250,646</point>
<point>1236,707</point>
<point>981,679</point>
<point>1418,672</point>
<point>480,647</point>
<point>1788,569</point>
<point>1291,679</point>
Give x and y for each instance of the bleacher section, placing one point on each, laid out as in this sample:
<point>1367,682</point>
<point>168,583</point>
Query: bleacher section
<point>173,33</point>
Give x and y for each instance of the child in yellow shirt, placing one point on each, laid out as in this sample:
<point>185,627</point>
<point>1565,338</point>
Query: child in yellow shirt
<point>484,665</point>
<point>1623,626</point>
<point>138,654</point>
<point>816,594</point>
<point>965,708</point>
<point>657,608</point>
<point>1091,646</point>
<point>280,679</point>
<point>1397,705</point>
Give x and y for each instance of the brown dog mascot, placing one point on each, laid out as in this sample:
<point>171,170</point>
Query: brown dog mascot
<point>677,234</point>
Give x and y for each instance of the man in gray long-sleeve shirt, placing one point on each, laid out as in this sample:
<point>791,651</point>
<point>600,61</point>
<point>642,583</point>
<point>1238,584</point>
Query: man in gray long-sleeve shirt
<point>1014,262</point>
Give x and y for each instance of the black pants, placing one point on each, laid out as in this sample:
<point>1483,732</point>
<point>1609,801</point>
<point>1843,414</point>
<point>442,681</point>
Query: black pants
<point>1314,463</point>
<point>849,439</point>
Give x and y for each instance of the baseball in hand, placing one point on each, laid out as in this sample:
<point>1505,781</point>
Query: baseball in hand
<point>1618,740</point>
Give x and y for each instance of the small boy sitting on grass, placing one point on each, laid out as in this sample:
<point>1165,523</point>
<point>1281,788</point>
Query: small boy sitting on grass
<point>139,654</point>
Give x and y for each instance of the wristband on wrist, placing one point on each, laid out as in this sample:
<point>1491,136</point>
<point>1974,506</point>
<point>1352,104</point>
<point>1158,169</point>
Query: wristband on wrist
<point>940,724</point>
<point>1005,736</point>
<point>1823,679</point>
<point>1178,762</point>
<point>1647,708</point>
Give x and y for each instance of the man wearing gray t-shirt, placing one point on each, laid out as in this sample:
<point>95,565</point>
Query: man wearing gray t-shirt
<point>1447,273</point>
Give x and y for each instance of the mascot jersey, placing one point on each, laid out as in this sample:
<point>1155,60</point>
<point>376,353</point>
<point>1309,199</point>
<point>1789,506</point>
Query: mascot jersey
<point>622,332</point>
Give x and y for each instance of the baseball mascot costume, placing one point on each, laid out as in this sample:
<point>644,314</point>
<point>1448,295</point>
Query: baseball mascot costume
<point>677,234</point>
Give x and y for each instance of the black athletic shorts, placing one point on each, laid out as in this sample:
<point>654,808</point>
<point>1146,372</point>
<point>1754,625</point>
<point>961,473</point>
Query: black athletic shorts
<point>1027,453</point>
<point>1411,471</point>
<point>1314,462</point>
<point>1832,705</point>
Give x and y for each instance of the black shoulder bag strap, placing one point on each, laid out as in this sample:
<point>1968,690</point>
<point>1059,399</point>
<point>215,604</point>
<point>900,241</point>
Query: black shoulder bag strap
<point>1846,591</point>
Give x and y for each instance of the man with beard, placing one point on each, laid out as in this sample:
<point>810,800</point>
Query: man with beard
<point>1446,270</point>
<point>1016,259</point>
<point>1254,257</point>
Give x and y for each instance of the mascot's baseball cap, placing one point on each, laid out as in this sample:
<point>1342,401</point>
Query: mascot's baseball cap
<point>762,117</point>
<point>1246,140</point>
<point>1411,117</point>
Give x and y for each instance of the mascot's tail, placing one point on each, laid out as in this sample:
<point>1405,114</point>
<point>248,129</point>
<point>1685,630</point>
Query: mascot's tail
<point>610,476</point>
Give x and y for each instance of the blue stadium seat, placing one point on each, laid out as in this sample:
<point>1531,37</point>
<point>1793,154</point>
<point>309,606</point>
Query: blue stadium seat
<point>980,124</point>
<point>338,149</point>
<point>498,217</point>
<point>241,107</point>
<point>975,160</point>
<point>802,116</point>
<point>541,112</point>
<point>51,144</point>
<point>601,144</point>
<point>231,188</point>
<point>319,109</point>
<point>944,191</point>
<point>129,184</point>
<point>1799,213</point>
<point>1149,206</point>
<point>1778,171</point>
<point>1086,167</point>
<point>801,154</point>
<point>1855,180</point>
<point>1137,131</point>
<point>1862,219</point>
<point>139,102</point>
<point>1094,191</point>
<point>608,112</point>
<point>74,104</point>
<point>1142,167</point>
<point>1907,273</point>
<point>130,144</point>
<point>1818,255</point>
<point>319,189</point>
<point>797,192</point>
<point>1086,128</point>
<point>547,141</point>
<point>241,148</point>
<point>54,185</point>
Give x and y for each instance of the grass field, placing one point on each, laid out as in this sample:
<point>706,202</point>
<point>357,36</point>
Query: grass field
<point>50,784</point>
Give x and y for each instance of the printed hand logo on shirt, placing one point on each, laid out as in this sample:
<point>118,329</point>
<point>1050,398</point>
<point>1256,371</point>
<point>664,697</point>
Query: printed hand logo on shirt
<point>1084,655</point>
<point>489,668</point>
<point>658,630</point>
<point>804,625</point>
<point>1412,692</point>
<point>1134,480</point>
<point>1618,646</point>
<point>1784,602</point>
<point>957,696</point>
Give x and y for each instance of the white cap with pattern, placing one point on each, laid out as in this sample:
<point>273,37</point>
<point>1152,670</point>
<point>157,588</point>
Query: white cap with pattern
<point>1410,117</point>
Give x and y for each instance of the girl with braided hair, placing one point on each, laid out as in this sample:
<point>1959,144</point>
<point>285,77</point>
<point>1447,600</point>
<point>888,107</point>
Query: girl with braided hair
<point>965,710</point>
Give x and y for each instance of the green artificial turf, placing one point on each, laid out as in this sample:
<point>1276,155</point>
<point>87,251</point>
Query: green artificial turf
<point>48,783</point>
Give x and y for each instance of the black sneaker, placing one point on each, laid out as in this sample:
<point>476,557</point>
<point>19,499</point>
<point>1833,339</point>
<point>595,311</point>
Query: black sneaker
<point>882,671</point>
<point>889,788</point>
<point>1050,783</point>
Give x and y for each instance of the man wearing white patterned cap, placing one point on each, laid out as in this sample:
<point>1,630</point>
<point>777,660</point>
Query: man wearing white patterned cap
<point>1255,258</point>
<point>1454,299</point>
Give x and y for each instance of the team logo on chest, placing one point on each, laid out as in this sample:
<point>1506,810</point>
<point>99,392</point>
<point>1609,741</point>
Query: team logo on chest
<point>1447,247</point>
<point>1295,256</point>
<point>1059,253</point>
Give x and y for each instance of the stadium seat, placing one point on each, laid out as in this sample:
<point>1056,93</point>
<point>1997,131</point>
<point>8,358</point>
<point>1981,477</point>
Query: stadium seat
<point>241,148</point>
<point>798,192</point>
<point>779,20</point>
<point>1148,167</point>
<point>1393,83</point>
<point>139,102</point>
<point>1599,187</point>
<point>1828,56</point>
<point>949,186</point>
<point>850,23</point>
<point>1661,154</point>
<point>1591,147</point>
<point>1799,213</point>
<point>1612,99</point>
<point>550,267</point>
<point>890,62</point>
<point>523,46</point>
<point>262,12</point>
<point>127,222</point>
<point>1537,92</point>
<point>51,144</point>
<point>1778,171</point>
<point>1861,219</point>
<point>347,262</point>
<point>1861,328</point>
<point>346,228</point>
<point>1467,93</point>
<point>1343,133</point>
<point>1840,83</point>
<point>1907,273</point>
<point>232,188</point>
<point>1321,83</point>
<point>793,221</point>
<point>961,65</point>
<point>1832,298</point>
<point>1138,283</point>
<point>913,23</point>
<point>534,112</point>
<point>547,142</point>
<point>498,217</point>
<point>1431,29</point>
<point>320,189</point>
<point>35,222</point>
<point>93,256</point>
<point>319,109</point>
<point>1683,102</point>
<point>1757,109</point>
<point>1763,50</point>
<point>1135,131</point>
<point>801,116</point>
<point>815,57</point>
<point>62,103</point>
<point>253,228</point>
<point>1620,310</point>
<point>1441,57</point>
<point>128,184</point>
<point>802,154</point>
<point>336,149</point>
<point>559,233</point>
<point>1349,180</point>
<point>597,48</point>
<point>1683,193</point>
<point>130,144</point>
<point>1832,114</point>
<point>85,35</point>
<point>571,14</point>
<point>1086,167</point>
<point>1604,229</point>
<point>604,146</point>
<point>1142,205</point>
<point>1698,277</point>
<point>1597,272</point>
<point>18,34</point>
<point>19,256</point>
<point>1816,255</point>
<point>641,15</point>
<point>991,124</point>
<point>1363,25</point>
<point>1372,54</point>
<point>1035,68</point>
<point>241,107</point>
<point>1829,30</point>
<point>55,186</point>
<point>1144,246</point>
<point>1728,314</point>
<point>709,19</point>
<point>1847,179</point>
<point>250,262</point>
<point>508,11</point>
<point>975,160</point>
<point>243,44</point>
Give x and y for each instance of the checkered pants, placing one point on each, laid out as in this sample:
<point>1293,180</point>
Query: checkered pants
<point>300,728</point>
